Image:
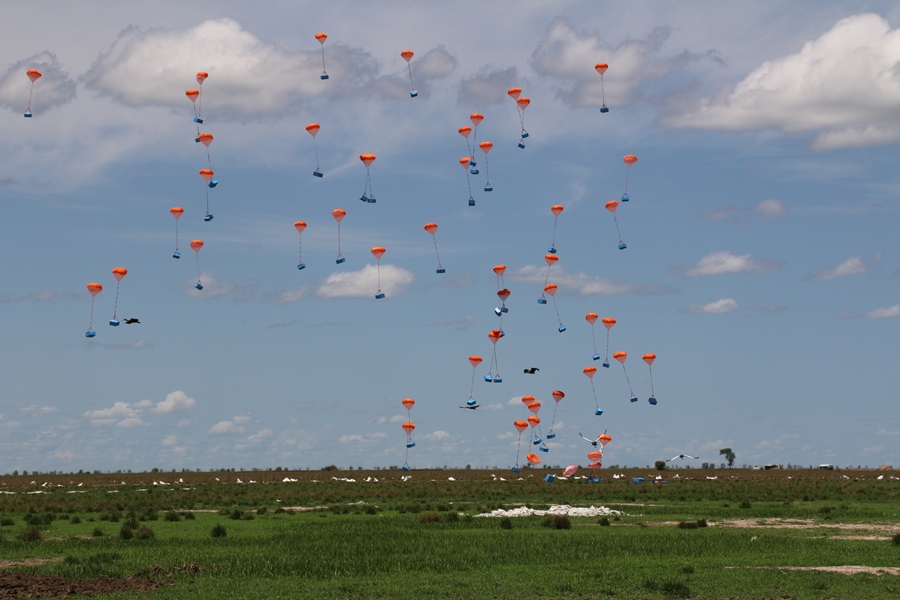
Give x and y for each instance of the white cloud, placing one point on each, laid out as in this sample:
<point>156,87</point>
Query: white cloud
<point>364,283</point>
<point>259,436</point>
<point>580,283</point>
<point>488,87</point>
<point>883,313</point>
<point>174,402</point>
<point>52,89</point>
<point>721,263</point>
<point>235,425</point>
<point>169,440</point>
<point>132,422</point>
<point>854,265</point>
<point>770,208</point>
<point>842,86</point>
<point>34,410</point>
<point>213,288</point>
<point>725,305</point>
<point>437,435</point>
<point>286,296</point>
<point>118,412</point>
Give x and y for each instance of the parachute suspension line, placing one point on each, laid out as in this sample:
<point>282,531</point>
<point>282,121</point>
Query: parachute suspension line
<point>207,200</point>
<point>616,220</point>
<point>198,267</point>
<point>28,111</point>
<point>316,149</point>
<point>323,58</point>
<point>176,236</point>
<point>553,243</point>
<point>652,393</point>
<point>116,304</point>
<point>339,239</point>
<point>628,381</point>
<point>594,339</point>
<point>91,325</point>
<point>437,254</point>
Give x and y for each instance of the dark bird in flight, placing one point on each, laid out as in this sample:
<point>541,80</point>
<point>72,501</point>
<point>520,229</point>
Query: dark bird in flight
<point>132,321</point>
<point>591,442</point>
<point>473,407</point>
<point>531,371</point>
<point>683,456</point>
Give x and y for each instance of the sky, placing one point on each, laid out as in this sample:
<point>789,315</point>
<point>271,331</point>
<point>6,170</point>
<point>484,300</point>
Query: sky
<point>762,264</point>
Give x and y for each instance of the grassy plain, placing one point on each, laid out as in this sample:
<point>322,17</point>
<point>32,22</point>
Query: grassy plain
<point>420,539</point>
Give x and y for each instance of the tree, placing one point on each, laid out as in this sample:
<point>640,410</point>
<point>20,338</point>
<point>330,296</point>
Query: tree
<point>729,456</point>
<point>660,465</point>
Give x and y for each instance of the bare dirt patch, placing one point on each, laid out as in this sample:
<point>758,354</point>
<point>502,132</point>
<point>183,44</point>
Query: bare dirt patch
<point>862,529</point>
<point>29,562</point>
<point>842,569</point>
<point>27,585</point>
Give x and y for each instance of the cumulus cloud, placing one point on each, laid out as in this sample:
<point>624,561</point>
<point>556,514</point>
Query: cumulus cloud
<point>33,409</point>
<point>367,439</point>
<point>487,86</point>
<point>169,440</point>
<point>842,86</point>
<point>364,283</point>
<point>725,305</point>
<point>582,284</point>
<point>722,263</point>
<point>235,425</point>
<point>766,209</point>
<point>52,89</point>
<point>120,414</point>
<point>771,209</point>
<point>567,54</point>
<point>248,77</point>
<point>175,402</point>
<point>285,296</point>
<point>855,265</point>
<point>883,313</point>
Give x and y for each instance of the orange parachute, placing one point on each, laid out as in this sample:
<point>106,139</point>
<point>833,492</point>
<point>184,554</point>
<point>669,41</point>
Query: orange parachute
<point>407,56</point>
<point>432,229</point>
<point>533,459</point>
<point>649,358</point>
<point>611,206</point>
<point>196,245</point>
<point>33,75</point>
<point>118,273</point>
<point>556,209</point>
<point>367,195</point>
<point>321,37</point>
<point>601,68</point>
<point>378,252</point>
<point>300,226</point>
<point>313,129</point>
<point>93,289</point>
<point>176,212</point>
<point>339,214</point>
<point>629,160</point>
<point>621,356</point>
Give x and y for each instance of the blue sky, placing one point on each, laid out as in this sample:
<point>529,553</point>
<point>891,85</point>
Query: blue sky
<point>762,263</point>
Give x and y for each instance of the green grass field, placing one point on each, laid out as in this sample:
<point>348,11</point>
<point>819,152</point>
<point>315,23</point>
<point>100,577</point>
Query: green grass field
<point>420,538</point>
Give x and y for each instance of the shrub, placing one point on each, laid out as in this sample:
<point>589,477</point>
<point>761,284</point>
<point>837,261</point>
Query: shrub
<point>6,522</point>
<point>505,523</point>
<point>186,514</point>
<point>126,532</point>
<point>144,533</point>
<point>702,523</point>
<point>30,533</point>
<point>172,516</point>
<point>218,531</point>
<point>236,515</point>
<point>451,517</point>
<point>261,510</point>
<point>660,465</point>
<point>372,509</point>
<point>98,532</point>
<point>74,519</point>
<point>430,517</point>
<point>745,504</point>
<point>687,525</point>
<point>557,522</point>
<point>603,522</point>
<point>896,539</point>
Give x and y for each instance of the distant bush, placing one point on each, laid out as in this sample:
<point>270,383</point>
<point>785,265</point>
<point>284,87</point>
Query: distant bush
<point>126,532</point>
<point>98,532</point>
<point>261,510</point>
<point>144,533</point>
<point>660,465</point>
<point>7,522</point>
<point>236,515</point>
<point>896,539</point>
<point>30,533</point>
<point>186,514</point>
<point>603,522</point>
<point>451,517</point>
<point>745,504</point>
<point>74,519</point>
<point>172,516</point>
<point>557,522</point>
<point>505,523</point>
<point>429,517</point>
<point>218,531</point>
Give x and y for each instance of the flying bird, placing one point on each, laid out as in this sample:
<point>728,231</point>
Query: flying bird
<point>132,321</point>
<point>593,443</point>
<point>473,407</point>
<point>683,456</point>
<point>531,371</point>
